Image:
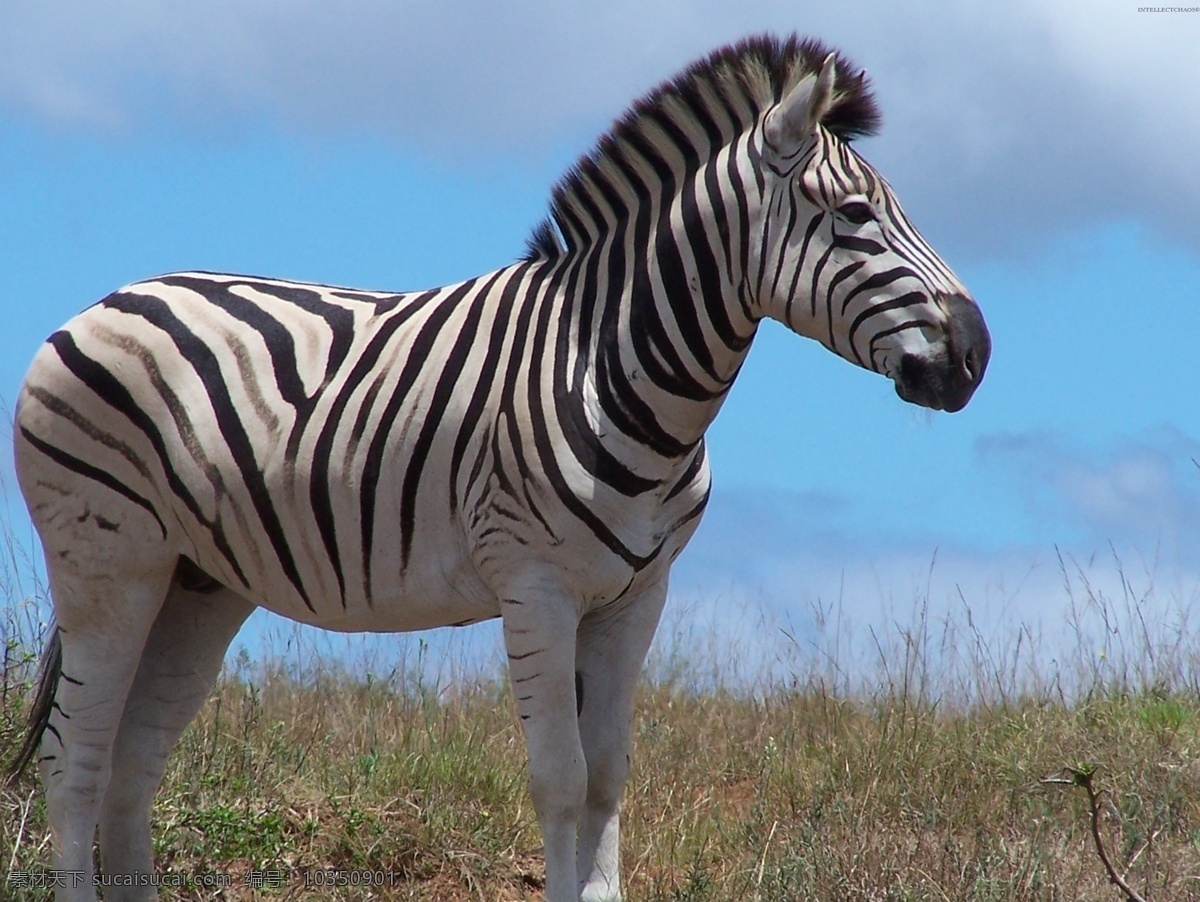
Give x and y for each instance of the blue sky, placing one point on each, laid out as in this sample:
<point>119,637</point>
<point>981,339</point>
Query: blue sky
<point>1049,151</point>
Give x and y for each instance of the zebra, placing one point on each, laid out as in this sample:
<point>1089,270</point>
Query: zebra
<point>527,444</point>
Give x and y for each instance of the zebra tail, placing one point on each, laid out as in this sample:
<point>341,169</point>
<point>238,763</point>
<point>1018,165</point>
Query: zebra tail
<point>39,713</point>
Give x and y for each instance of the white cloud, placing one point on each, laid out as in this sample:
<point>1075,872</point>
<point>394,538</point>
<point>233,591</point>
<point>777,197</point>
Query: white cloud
<point>461,75</point>
<point>1003,120</point>
<point>1144,491</point>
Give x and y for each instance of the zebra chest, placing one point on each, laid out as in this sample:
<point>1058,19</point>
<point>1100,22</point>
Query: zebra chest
<point>596,543</point>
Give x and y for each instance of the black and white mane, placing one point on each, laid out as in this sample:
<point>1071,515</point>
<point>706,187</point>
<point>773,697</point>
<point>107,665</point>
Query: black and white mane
<point>704,108</point>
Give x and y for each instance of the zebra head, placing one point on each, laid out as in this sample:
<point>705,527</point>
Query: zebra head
<point>841,263</point>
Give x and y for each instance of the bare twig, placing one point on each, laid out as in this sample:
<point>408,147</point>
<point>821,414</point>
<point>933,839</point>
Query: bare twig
<point>1082,776</point>
<point>1144,846</point>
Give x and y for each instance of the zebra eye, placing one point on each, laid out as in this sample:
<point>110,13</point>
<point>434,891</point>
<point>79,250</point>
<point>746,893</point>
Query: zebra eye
<point>857,212</point>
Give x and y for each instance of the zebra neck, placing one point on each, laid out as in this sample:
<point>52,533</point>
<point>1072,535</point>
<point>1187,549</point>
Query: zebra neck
<point>656,287</point>
<point>660,364</point>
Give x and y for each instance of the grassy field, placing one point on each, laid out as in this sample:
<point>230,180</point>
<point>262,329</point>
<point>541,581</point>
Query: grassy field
<point>909,784</point>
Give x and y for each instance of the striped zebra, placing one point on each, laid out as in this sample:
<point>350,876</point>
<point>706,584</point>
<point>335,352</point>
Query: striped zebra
<point>527,444</point>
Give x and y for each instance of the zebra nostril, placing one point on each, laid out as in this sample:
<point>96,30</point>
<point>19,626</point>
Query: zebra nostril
<point>967,334</point>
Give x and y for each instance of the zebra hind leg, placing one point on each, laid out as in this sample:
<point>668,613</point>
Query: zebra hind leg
<point>104,609</point>
<point>179,665</point>
<point>611,646</point>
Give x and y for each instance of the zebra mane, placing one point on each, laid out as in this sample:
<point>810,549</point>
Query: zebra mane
<point>719,96</point>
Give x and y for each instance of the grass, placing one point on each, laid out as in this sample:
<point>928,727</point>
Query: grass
<point>921,780</point>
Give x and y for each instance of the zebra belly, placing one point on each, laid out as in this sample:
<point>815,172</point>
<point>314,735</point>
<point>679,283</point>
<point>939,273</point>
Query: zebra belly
<point>403,615</point>
<point>437,586</point>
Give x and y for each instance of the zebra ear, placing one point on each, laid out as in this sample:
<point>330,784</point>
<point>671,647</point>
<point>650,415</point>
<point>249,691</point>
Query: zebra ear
<point>791,124</point>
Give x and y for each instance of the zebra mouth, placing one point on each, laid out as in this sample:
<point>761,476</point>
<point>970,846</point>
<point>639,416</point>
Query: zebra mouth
<point>946,380</point>
<point>920,383</point>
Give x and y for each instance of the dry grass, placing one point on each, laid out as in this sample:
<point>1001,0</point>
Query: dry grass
<point>916,785</point>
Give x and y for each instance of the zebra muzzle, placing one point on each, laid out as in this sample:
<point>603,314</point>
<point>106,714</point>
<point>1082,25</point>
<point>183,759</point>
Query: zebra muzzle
<point>946,379</point>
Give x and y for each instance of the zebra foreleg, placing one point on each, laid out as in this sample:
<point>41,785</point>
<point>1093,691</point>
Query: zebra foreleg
<point>610,648</point>
<point>180,663</point>
<point>539,634</point>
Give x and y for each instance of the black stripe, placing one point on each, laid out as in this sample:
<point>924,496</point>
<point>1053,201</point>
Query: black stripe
<point>688,475</point>
<point>276,337</point>
<point>814,286</point>
<point>673,274</point>
<point>696,212</point>
<point>206,366</point>
<point>545,450</point>
<point>449,370</point>
<point>844,273</point>
<point>117,396</point>
<point>619,400</point>
<point>887,333</point>
<point>651,341</point>
<point>715,194</point>
<point>319,491</point>
<point>470,426</point>
<point>70,462</point>
<point>586,447</point>
<point>415,362</point>
<point>733,177</point>
<point>647,329</point>
<point>629,412</point>
<point>912,299</point>
<point>61,408</point>
<point>877,281</point>
<point>784,256</point>
<point>279,340</point>
<point>520,492</point>
<point>854,243</point>
<point>528,654</point>
<point>584,444</point>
